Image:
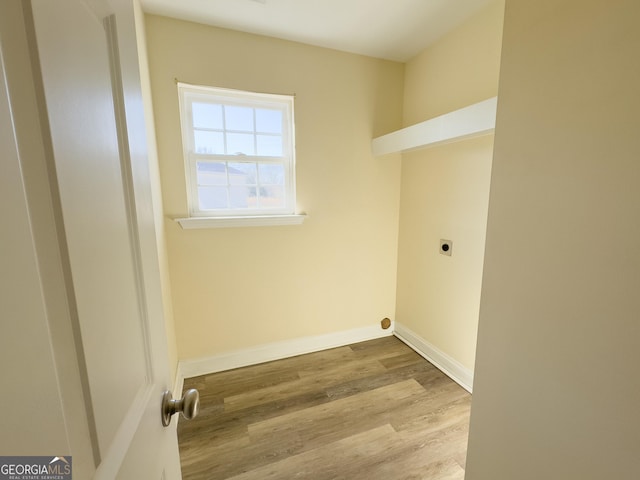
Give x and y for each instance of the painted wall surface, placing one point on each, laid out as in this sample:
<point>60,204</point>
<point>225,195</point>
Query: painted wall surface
<point>155,187</point>
<point>240,287</point>
<point>445,189</point>
<point>557,387</point>
<point>460,69</point>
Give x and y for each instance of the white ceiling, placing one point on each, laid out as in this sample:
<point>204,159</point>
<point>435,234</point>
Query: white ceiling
<point>391,29</point>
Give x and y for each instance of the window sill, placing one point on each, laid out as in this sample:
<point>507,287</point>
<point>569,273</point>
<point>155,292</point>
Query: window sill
<point>225,222</point>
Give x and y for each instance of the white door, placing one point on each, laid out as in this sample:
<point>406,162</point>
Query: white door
<point>84,53</point>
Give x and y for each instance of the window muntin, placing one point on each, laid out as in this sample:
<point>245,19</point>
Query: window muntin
<point>239,152</point>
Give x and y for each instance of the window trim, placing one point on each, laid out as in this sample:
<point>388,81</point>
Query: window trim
<point>187,94</point>
<point>191,223</point>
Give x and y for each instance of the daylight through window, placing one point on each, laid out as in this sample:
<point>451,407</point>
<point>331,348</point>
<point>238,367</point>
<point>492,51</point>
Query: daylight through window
<point>239,152</point>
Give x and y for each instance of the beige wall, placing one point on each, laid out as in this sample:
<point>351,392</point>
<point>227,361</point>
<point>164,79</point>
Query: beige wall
<point>445,190</point>
<point>156,192</point>
<point>460,69</point>
<point>240,287</point>
<point>557,387</point>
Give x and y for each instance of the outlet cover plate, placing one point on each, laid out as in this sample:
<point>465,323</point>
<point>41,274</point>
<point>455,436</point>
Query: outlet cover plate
<point>446,247</point>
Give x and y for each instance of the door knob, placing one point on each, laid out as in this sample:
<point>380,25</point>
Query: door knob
<point>188,405</point>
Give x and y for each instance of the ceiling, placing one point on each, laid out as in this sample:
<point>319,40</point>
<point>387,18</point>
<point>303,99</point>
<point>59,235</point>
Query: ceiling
<point>390,29</point>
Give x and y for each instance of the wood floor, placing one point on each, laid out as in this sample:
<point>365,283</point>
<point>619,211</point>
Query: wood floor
<point>372,410</point>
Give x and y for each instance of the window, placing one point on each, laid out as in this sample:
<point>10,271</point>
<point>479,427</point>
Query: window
<point>239,153</point>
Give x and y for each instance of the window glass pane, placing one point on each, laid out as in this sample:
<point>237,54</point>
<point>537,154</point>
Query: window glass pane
<point>239,196</point>
<point>211,173</point>
<point>207,115</point>
<point>240,143</point>
<point>212,198</point>
<point>208,142</point>
<point>271,196</point>
<point>239,118</point>
<point>268,121</point>
<point>269,145</point>
<point>242,173</point>
<point>271,174</point>
<point>240,147</point>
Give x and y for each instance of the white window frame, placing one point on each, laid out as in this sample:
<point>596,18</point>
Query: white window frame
<point>199,218</point>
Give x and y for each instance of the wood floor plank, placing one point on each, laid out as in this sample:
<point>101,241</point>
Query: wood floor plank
<point>372,410</point>
<point>307,382</point>
<point>380,348</point>
<point>424,373</point>
<point>219,427</point>
<point>243,380</point>
<point>330,421</point>
<point>402,360</point>
<point>350,455</point>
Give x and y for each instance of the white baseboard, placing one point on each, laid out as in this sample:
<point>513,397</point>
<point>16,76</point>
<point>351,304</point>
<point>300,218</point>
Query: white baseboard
<point>276,351</point>
<point>449,366</point>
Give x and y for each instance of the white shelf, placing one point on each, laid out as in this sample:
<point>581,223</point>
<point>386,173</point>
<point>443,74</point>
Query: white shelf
<point>472,121</point>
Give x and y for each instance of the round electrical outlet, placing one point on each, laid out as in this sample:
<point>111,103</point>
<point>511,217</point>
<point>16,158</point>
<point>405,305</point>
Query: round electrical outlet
<point>446,246</point>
